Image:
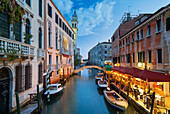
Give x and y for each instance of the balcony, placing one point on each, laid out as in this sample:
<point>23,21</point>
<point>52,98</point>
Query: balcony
<point>51,67</point>
<point>8,46</point>
<point>64,51</point>
<point>40,54</point>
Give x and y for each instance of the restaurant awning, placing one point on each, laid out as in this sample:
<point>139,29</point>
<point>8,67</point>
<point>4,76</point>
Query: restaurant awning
<point>152,76</point>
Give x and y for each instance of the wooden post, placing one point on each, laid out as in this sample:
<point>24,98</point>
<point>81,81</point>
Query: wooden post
<point>153,98</point>
<point>18,104</point>
<point>38,97</point>
<point>109,81</point>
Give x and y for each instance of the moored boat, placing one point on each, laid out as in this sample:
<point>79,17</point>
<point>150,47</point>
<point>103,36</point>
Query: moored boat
<point>54,89</point>
<point>102,83</point>
<point>99,77</point>
<point>115,100</point>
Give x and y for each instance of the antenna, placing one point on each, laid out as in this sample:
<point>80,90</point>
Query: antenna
<point>129,8</point>
<point>139,11</point>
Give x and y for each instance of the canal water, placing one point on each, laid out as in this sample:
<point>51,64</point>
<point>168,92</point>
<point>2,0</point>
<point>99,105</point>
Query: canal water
<point>81,96</point>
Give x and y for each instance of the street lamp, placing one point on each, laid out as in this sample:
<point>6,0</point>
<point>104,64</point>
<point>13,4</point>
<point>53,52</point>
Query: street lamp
<point>139,64</point>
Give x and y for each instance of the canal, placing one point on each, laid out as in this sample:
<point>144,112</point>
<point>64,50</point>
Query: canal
<point>81,96</point>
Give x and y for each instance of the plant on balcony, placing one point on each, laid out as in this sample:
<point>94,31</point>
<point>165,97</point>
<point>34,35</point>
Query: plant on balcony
<point>11,54</point>
<point>27,38</point>
<point>14,11</point>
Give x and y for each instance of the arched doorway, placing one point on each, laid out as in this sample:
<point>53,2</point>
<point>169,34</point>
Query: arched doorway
<point>4,90</point>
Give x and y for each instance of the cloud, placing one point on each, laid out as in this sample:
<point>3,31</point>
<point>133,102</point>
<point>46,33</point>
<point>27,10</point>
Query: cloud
<point>64,6</point>
<point>96,15</point>
<point>99,14</point>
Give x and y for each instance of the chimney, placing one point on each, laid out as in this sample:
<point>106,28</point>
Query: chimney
<point>109,40</point>
<point>128,17</point>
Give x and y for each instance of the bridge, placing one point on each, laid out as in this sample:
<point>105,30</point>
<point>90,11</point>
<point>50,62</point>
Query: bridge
<point>84,67</point>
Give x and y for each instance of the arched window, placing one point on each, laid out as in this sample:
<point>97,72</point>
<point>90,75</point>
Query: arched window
<point>27,31</point>
<point>167,23</point>
<point>40,37</point>
<point>75,25</point>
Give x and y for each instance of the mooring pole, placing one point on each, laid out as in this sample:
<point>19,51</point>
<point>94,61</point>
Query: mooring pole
<point>18,104</point>
<point>38,97</point>
<point>48,82</point>
<point>153,97</point>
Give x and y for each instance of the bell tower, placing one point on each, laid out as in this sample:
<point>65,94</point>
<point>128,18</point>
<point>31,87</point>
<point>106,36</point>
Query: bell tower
<point>74,22</point>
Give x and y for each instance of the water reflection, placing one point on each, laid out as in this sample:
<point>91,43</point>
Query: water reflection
<point>80,96</point>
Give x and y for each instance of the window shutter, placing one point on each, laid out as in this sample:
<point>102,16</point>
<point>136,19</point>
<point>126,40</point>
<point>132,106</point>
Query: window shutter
<point>18,79</point>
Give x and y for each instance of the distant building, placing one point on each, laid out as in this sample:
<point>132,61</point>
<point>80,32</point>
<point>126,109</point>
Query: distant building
<point>100,53</point>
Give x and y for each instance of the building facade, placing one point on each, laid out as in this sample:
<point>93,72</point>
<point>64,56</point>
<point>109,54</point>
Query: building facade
<point>58,42</point>
<point>147,45</point>
<point>22,53</point>
<point>100,53</point>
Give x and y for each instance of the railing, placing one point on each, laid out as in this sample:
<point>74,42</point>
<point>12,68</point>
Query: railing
<point>9,46</point>
<point>40,53</point>
<point>51,67</point>
<point>64,51</point>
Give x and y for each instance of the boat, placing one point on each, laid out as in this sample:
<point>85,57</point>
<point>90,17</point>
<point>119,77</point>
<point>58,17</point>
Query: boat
<point>102,84</point>
<point>99,77</point>
<point>54,89</point>
<point>115,100</point>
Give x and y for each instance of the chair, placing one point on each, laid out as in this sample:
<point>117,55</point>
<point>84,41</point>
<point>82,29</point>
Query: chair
<point>162,101</point>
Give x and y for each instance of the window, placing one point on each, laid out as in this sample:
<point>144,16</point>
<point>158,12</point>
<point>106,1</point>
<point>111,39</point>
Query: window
<point>17,30</point>
<point>119,44</point>
<point>105,52</point>
<point>149,56</point>
<point>27,31</point>
<point>18,78</point>
<point>40,37</point>
<point>137,36</point>
<point>50,59</point>
<point>132,37</point>
<point>60,21</point>
<point>149,30</point>
<point>133,57</point>
<point>141,57</point>
<point>40,73</point>
<point>56,18</point>
<point>56,38</point>
<point>167,23</point>
<point>5,24</point>
<point>40,8</point>
<point>158,25</point>
<point>49,10</point>
<point>123,42</point>
<point>128,58</point>
<point>105,46</point>
<point>123,59</point>
<point>28,76</point>
<point>159,55</point>
<point>49,37</point>
<point>28,2</point>
<point>141,33</point>
<point>63,26</point>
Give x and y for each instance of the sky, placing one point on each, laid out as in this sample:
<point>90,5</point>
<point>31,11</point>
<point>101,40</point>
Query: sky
<point>98,19</point>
